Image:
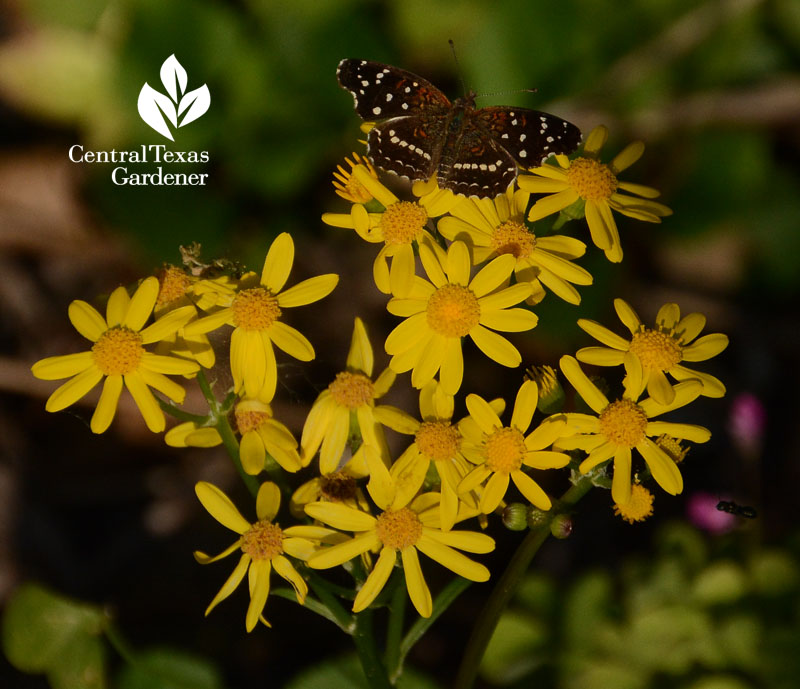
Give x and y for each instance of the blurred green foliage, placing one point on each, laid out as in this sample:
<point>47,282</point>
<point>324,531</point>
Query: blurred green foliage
<point>695,615</point>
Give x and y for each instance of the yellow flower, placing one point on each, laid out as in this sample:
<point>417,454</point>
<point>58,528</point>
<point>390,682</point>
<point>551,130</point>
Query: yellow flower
<point>119,356</point>
<point>440,311</point>
<point>262,543</point>
<point>349,399</point>
<point>597,185</point>
<point>189,434</point>
<point>500,451</point>
<point>262,434</point>
<point>399,225</point>
<point>497,226</point>
<point>339,486</point>
<point>660,349</point>
<point>255,312</point>
<point>436,439</point>
<point>347,186</point>
<point>638,508</point>
<point>401,528</point>
<point>624,425</point>
<point>176,291</point>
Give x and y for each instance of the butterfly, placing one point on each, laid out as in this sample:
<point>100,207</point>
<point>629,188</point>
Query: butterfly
<point>420,133</point>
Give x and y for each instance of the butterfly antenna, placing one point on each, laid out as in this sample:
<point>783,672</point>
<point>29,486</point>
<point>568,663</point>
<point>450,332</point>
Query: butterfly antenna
<point>505,93</point>
<point>458,66</point>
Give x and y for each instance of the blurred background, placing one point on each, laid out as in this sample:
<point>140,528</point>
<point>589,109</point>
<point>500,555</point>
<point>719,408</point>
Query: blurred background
<point>713,88</point>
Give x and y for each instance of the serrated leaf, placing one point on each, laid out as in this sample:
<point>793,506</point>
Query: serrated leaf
<point>197,102</point>
<point>174,77</point>
<point>153,106</point>
<point>166,668</point>
<point>39,625</point>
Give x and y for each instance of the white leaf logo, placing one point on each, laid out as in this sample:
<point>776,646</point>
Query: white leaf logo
<point>159,111</point>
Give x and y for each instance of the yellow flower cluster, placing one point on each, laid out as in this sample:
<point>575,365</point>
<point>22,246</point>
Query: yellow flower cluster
<point>451,268</point>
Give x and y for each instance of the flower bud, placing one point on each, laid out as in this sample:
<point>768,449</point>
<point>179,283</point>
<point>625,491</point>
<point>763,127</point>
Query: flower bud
<point>561,526</point>
<point>551,394</point>
<point>515,516</point>
<point>537,517</point>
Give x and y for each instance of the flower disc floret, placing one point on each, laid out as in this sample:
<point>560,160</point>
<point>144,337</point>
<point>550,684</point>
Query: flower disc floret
<point>505,450</point>
<point>250,419</point>
<point>453,311</point>
<point>624,423</point>
<point>263,541</point>
<point>255,309</point>
<point>118,351</point>
<point>656,349</point>
<point>512,237</point>
<point>173,284</point>
<point>591,179</point>
<point>638,508</point>
<point>338,487</point>
<point>403,222</point>
<point>352,390</point>
<point>398,529</point>
<point>438,440</point>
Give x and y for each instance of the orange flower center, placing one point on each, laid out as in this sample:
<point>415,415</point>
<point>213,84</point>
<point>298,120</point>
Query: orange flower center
<point>656,349</point>
<point>513,238</point>
<point>255,309</point>
<point>399,529</point>
<point>118,351</point>
<point>504,449</point>
<point>593,180</point>
<point>438,440</point>
<point>638,508</point>
<point>173,283</point>
<point>624,423</point>
<point>262,541</point>
<point>337,487</point>
<point>453,310</point>
<point>403,222</point>
<point>352,390</point>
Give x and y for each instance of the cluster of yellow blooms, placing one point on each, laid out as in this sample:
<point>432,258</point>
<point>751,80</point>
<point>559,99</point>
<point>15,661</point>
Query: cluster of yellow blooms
<point>484,268</point>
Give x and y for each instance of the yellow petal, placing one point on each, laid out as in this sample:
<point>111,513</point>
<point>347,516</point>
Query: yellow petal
<point>340,516</point>
<point>531,490</point>
<point>590,393</point>
<point>493,492</point>
<point>141,304</point>
<point>430,544</point>
<point>107,404</point>
<point>62,366</point>
<point>308,291</point>
<point>268,501</point>
<point>344,552</point>
<point>621,482</point>
<point>220,507</point>
<point>75,388</point>
<point>252,453</point>
<point>376,579</point>
<point>258,580</point>
<point>418,590</point>
<point>291,341</point>
<point>278,263</point>
<point>525,406</point>
<point>496,347</point>
<point>86,319</point>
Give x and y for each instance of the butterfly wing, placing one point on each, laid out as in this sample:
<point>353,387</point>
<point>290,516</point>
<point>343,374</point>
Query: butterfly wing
<point>382,91</point>
<point>475,165</point>
<point>408,146</point>
<point>529,136</point>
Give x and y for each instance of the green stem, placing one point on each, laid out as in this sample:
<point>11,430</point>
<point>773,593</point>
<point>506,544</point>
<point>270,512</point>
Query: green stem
<point>322,588</point>
<point>368,654</point>
<point>120,644</point>
<point>232,448</point>
<point>394,631</point>
<point>507,586</point>
<point>443,601</point>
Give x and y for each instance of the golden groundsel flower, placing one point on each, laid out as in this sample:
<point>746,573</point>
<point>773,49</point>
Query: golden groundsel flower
<point>660,350</point>
<point>403,529</point>
<point>119,356</point>
<point>586,178</point>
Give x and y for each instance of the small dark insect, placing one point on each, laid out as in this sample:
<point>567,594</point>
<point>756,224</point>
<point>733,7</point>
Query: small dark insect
<point>472,151</point>
<point>738,510</point>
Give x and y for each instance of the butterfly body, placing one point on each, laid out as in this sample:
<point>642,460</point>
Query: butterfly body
<point>419,132</point>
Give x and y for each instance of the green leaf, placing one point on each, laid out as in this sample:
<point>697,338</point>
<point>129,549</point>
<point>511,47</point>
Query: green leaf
<point>741,641</point>
<point>514,649</point>
<point>721,582</point>
<point>166,668</point>
<point>80,666</point>
<point>720,682</point>
<point>40,628</point>
<point>774,573</point>
<point>586,608</point>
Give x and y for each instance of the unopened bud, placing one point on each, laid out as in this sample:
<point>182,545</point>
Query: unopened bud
<point>561,526</point>
<point>537,517</point>
<point>515,516</point>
